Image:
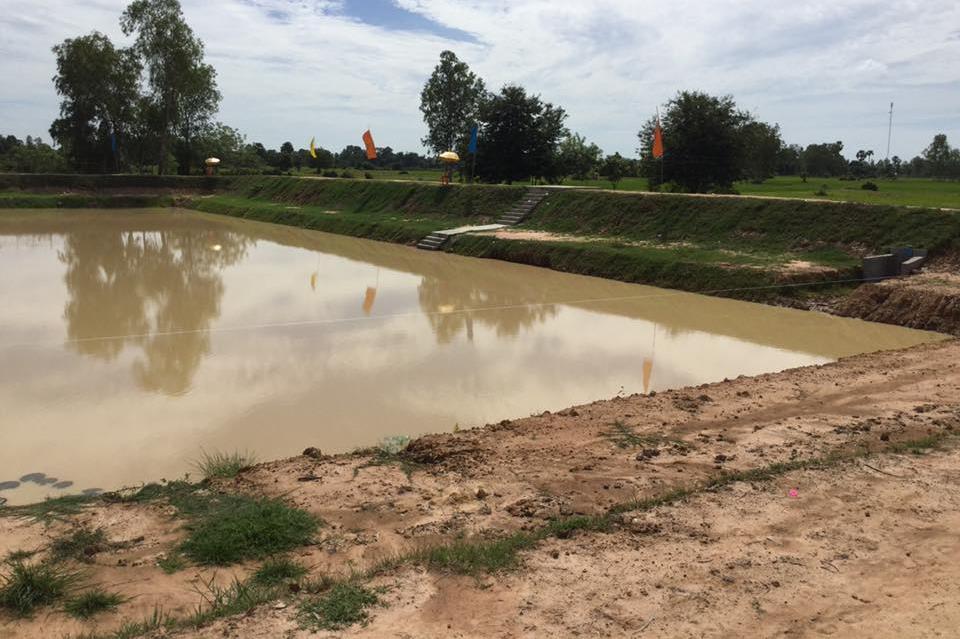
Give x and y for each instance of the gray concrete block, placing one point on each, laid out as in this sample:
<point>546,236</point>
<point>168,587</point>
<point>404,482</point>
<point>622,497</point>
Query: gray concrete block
<point>911,265</point>
<point>876,267</point>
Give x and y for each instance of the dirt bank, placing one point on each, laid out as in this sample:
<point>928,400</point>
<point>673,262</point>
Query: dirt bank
<point>707,563</point>
<point>930,301</point>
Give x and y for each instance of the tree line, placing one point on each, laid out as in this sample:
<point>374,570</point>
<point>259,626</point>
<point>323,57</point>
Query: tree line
<point>151,106</point>
<point>710,142</point>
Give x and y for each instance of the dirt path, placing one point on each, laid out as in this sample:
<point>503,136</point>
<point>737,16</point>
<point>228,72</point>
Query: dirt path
<point>518,475</point>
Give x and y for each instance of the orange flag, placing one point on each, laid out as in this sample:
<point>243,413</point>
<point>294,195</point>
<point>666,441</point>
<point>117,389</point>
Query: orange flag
<point>658,140</point>
<point>371,148</point>
<point>368,299</point>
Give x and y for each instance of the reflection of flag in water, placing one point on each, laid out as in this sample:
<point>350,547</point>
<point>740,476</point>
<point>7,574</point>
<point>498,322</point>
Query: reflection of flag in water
<point>369,299</point>
<point>371,148</point>
<point>647,370</point>
<point>313,280</point>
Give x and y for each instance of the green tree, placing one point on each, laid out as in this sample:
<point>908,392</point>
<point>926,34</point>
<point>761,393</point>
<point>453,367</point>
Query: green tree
<point>939,156</point>
<point>450,102</point>
<point>519,137</point>
<point>789,160</point>
<point>614,168</point>
<point>703,150</point>
<point>577,158</point>
<point>761,150</point>
<point>181,84</point>
<point>824,160</point>
<point>98,86</point>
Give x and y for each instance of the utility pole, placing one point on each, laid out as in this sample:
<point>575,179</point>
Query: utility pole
<point>889,130</point>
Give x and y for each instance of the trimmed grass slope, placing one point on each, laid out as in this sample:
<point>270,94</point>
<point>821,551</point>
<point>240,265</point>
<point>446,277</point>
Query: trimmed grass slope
<point>746,223</point>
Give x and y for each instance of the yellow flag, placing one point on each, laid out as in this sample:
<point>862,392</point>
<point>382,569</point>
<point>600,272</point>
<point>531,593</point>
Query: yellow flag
<point>313,148</point>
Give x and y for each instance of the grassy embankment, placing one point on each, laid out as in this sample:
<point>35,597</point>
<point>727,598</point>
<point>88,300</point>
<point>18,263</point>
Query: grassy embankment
<point>374,209</point>
<point>920,192</point>
<point>714,244</point>
<point>698,243</point>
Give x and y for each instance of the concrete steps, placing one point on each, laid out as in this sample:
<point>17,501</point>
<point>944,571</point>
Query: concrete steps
<point>534,195</point>
<point>433,242</point>
<point>522,209</point>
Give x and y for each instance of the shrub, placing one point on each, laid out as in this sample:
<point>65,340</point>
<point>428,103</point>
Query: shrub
<point>330,173</point>
<point>347,174</point>
<point>822,191</point>
<point>869,186</point>
<point>368,175</point>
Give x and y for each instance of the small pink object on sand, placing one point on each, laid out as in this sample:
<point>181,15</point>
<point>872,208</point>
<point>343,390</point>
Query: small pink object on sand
<point>794,493</point>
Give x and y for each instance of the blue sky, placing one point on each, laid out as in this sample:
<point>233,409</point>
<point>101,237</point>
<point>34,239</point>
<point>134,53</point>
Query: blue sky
<point>293,69</point>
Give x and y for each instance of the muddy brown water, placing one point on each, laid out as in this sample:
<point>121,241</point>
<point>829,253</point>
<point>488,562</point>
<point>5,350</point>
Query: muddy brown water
<point>132,340</point>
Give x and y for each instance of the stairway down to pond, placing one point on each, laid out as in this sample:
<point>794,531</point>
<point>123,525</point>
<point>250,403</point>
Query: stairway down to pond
<point>534,195</point>
<point>519,213</point>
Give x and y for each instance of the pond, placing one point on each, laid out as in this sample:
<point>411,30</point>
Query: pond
<point>133,340</point>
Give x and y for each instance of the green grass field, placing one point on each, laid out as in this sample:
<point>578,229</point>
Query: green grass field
<point>900,192</point>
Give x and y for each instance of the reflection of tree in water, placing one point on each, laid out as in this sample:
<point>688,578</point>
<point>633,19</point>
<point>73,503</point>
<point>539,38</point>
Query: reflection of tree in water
<point>445,299</point>
<point>133,288</point>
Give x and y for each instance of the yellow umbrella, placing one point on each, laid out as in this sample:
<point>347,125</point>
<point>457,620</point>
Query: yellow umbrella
<point>450,157</point>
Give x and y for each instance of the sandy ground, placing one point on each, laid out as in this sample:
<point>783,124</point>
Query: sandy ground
<point>860,551</point>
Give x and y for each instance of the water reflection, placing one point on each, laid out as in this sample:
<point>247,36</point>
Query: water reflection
<point>453,304</point>
<point>136,288</point>
<point>225,334</point>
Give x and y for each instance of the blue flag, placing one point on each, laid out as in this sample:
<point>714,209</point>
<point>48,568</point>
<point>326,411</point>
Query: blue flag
<point>473,139</point>
<point>113,142</point>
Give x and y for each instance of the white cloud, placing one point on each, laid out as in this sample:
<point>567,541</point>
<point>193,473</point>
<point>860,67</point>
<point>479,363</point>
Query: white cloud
<point>291,69</point>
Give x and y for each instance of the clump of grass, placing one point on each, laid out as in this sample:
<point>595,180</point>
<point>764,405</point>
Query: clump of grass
<point>344,605</point>
<point>224,465</point>
<point>389,452</point>
<point>467,557</point>
<point>247,529</point>
<point>623,436</point>
<point>26,587</point>
<point>917,446</point>
<point>223,601</point>
<point>172,562</point>
<point>92,602</point>
<point>81,544</point>
<point>277,571</point>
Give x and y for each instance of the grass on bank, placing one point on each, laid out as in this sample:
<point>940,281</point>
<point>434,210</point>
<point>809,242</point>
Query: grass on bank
<point>24,586</point>
<point>344,605</point>
<point>276,571</point>
<point>80,544</point>
<point>247,528</point>
<point>224,465</point>
<point>92,602</point>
